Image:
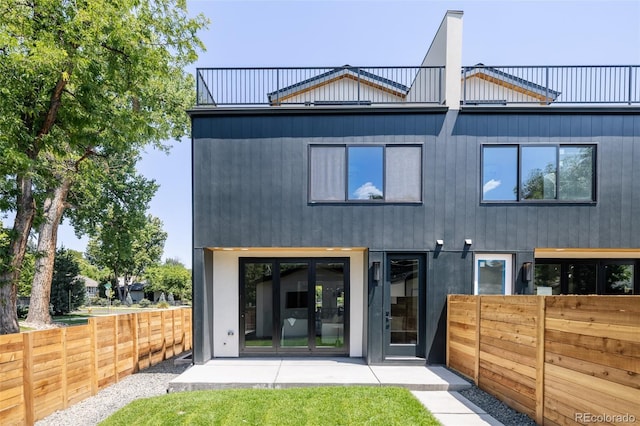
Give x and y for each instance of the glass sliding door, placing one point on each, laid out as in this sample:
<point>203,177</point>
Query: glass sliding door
<point>329,304</point>
<point>294,306</point>
<point>256,309</point>
<point>582,278</point>
<point>618,278</point>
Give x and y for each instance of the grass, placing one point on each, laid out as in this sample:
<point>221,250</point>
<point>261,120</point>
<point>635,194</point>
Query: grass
<point>345,405</point>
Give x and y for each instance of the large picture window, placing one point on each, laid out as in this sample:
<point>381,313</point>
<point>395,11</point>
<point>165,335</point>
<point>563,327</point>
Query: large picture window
<point>564,173</point>
<point>381,173</point>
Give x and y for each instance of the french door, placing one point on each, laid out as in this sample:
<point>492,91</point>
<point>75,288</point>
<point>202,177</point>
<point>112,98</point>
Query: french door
<point>294,306</point>
<point>404,307</point>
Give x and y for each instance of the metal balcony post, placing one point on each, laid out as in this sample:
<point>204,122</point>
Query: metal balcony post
<point>546,86</point>
<point>358,86</point>
<point>277,86</point>
<point>630,82</point>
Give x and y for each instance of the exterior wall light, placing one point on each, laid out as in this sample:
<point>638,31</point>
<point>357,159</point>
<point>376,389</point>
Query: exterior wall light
<point>376,271</point>
<point>439,243</point>
<point>468,241</point>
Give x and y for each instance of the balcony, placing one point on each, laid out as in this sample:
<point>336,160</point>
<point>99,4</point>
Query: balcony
<point>418,86</point>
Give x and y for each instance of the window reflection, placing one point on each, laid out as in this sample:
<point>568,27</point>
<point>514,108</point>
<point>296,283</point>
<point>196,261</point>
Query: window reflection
<point>538,173</point>
<point>499,173</point>
<point>365,173</point>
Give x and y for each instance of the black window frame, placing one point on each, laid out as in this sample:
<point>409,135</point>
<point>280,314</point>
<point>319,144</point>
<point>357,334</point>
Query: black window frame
<point>600,263</point>
<point>346,199</point>
<point>554,201</point>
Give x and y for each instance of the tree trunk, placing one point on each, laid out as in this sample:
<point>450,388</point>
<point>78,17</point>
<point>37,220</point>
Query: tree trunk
<point>54,206</point>
<point>25,212</point>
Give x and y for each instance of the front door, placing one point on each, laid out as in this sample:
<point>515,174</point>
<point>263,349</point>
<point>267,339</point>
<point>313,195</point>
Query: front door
<point>404,307</point>
<point>294,306</point>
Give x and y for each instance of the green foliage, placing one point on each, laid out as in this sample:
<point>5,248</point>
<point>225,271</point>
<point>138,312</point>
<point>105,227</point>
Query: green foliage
<point>116,303</point>
<point>23,311</point>
<point>26,274</point>
<point>67,291</point>
<point>346,405</point>
<point>163,305</point>
<point>85,86</point>
<point>144,303</point>
<point>99,301</point>
<point>172,278</point>
<point>126,247</point>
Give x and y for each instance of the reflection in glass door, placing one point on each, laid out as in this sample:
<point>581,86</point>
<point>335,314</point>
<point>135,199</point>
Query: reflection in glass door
<point>294,305</point>
<point>404,307</point>
<point>329,304</point>
<point>256,309</point>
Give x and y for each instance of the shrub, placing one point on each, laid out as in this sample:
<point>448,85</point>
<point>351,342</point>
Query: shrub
<point>23,311</point>
<point>99,301</point>
<point>163,305</point>
<point>116,302</point>
<point>144,303</point>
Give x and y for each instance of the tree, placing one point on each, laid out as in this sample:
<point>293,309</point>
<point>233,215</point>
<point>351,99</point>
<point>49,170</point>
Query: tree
<point>67,289</point>
<point>172,278</point>
<point>127,247</point>
<point>81,81</point>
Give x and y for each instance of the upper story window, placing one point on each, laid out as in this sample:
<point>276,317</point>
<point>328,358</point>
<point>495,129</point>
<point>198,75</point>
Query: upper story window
<point>563,173</point>
<point>365,173</point>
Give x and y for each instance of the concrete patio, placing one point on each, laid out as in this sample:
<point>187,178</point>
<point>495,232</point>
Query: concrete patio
<point>434,386</point>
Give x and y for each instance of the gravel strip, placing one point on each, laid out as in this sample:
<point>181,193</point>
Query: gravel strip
<point>154,381</point>
<point>149,382</point>
<point>494,407</point>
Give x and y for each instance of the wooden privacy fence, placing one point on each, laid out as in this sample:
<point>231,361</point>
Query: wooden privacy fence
<point>49,370</point>
<point>559,359</point>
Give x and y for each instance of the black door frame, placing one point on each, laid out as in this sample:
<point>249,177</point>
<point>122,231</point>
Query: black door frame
<point>276,349</point>
<point>419,349</point>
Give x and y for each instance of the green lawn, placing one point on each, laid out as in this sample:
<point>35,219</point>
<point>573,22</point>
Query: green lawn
<point>345,405</point>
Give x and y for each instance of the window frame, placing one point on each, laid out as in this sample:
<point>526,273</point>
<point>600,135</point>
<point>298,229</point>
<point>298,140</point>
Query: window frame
<point>555,201</point>
<point>346,199</point>
<point>600,263</point>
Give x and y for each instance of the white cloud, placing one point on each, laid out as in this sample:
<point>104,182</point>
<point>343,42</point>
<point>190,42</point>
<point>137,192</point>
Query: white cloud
<point>491,185</point>
<point>367,191</point>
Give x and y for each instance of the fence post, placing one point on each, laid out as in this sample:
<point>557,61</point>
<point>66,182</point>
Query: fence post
<point>136,349</point>
<point>162,335</point>
<point>93,327</point>
<point>448,330</point>
<point>476,367</point>
<point>115,347</point>
<point>64,385</point>
<point>540,354</point>
<point>27,377</point>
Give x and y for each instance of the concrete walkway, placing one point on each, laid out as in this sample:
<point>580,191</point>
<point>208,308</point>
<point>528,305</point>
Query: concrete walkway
<point>434,386</point>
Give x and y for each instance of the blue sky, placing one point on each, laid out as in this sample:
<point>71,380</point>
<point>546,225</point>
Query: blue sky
<point>389,33</point>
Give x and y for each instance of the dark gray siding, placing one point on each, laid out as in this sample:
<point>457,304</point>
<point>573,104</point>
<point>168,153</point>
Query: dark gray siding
<point>250,184</point>
<point>250,190</point>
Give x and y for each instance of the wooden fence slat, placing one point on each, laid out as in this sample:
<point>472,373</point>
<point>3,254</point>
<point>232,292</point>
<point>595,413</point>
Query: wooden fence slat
<point>47,370</point>
<point>549,356</point>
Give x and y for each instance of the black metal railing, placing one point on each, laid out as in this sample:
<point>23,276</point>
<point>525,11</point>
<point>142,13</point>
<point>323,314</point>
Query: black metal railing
<point>480,85</point>
<point>345,85</point>
<point>588,84</point>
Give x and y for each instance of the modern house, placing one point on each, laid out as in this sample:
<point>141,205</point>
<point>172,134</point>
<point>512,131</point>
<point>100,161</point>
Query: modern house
<point>335,208</point>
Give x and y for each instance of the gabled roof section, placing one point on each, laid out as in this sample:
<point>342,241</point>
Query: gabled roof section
<point>510,82</point>
<point>335,75</point>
